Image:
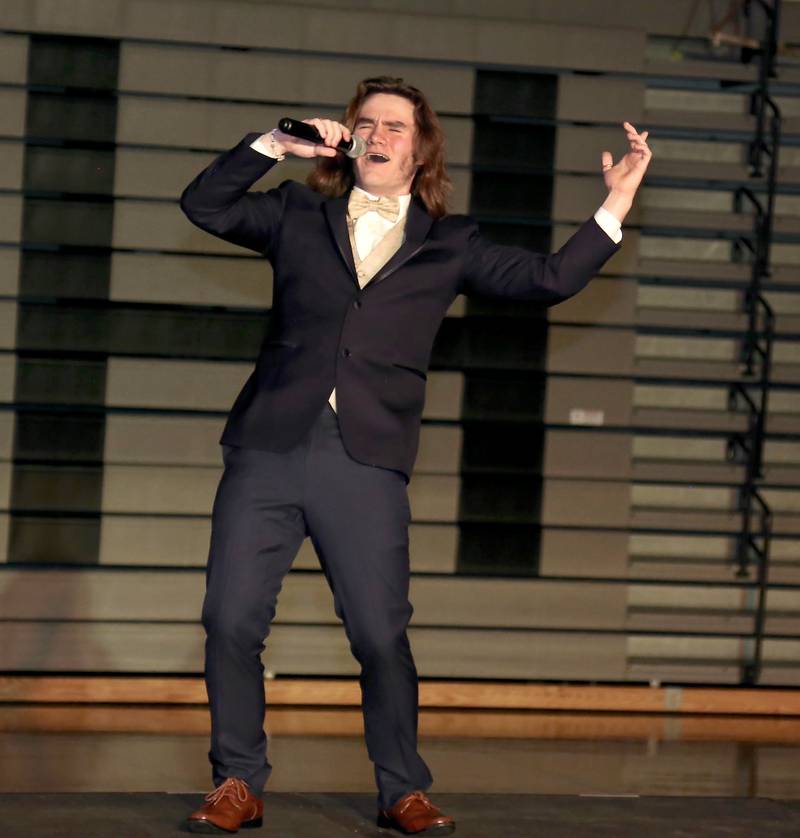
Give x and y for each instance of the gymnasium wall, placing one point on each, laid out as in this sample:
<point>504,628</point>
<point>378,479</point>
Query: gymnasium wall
<point>574,512</point>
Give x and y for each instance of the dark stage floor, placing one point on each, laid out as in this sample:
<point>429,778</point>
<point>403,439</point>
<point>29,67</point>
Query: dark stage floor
<point>339,815</point>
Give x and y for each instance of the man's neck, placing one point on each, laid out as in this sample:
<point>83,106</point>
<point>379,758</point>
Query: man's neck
<point>374,197</point>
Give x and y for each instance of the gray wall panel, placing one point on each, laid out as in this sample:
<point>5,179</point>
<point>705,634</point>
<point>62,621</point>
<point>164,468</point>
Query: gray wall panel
<point>181,490</point>
<point>606,351</point>
<point>5,485</point>
<point>204,72</point>
<point>191,385</point>
<point>167,596</point>
<point>4,525</point>
<point>220,125</point>
<point>604,301</point>
<point>10,219</point>
<point>6,435</point>
<point>201,385</point>
<point>574,401</point>
<point>281,25</point>
<point>13,59</point>
<point>11,154</point>
<point>305,650</point>
<point>586,553</point>
<point>586,503</point>
<point>8,325</point>
<point>8,369</point>
<point>576,197</point>
<point>600,98</point>
<point>9,271</point>
<point>191,280</point>
<point>194,441</point>
<point>583,453</point>
<point>12,112</point>
<point>172,541</point>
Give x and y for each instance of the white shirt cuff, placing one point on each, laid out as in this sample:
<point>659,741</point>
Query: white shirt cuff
<point>610,224</point>
<point>262,146</point>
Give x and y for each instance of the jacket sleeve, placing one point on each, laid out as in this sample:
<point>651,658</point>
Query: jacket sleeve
<point>218,202</point>
<point>493,270</point>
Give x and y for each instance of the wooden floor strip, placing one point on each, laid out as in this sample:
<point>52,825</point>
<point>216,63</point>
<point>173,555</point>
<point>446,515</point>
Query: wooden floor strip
<point>461,724</point>
<point>433,694</point>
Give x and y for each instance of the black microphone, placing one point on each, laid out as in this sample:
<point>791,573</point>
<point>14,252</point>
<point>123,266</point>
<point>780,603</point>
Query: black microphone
<point>355,148</point>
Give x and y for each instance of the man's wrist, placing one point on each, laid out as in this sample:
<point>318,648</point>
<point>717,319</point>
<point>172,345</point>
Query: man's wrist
<point>618,204</point>
<point>268,145</point>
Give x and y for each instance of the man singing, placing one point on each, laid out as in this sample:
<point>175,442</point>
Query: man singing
<point>321,441</point>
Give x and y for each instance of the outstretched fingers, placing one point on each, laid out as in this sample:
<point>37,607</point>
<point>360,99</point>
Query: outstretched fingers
<point>638,142</point>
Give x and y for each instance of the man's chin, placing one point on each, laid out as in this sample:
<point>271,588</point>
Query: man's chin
<point>370,184</point>
<point>376,184</point>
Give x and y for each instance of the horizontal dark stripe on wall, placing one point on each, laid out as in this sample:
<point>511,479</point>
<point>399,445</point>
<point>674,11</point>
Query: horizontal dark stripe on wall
<point>502,447</point>
<point>86,171</point>
<point>490,343</point>
<point>534,236</point>
<point>64,274</point>
<point>89,119</point>
<point>57,488</point>
<point>504,549</point>
<point>511,195</point>
<point>119,330</point>
<point>500,498</point>
<point>508,397</point>
<point>487,342</point>
<point>73,62</point>
<point>514,146</point>
<point>500,93</point>
<point>59,381</point>
<point>54,540</point>
<point>79,222</point>
<point>52,437</point>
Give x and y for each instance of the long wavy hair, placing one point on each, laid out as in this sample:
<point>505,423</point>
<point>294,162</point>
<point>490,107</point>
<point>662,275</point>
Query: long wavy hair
<point>334,177</point>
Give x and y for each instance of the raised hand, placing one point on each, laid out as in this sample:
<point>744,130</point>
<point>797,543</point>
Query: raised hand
<point>625,176</point>
<point>331,132</point>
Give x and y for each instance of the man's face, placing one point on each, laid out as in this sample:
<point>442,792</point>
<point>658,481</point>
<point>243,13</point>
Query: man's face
<point>386,122</point>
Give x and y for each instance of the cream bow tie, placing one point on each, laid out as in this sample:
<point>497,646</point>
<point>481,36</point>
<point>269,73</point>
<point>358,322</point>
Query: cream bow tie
<point>386,207</point>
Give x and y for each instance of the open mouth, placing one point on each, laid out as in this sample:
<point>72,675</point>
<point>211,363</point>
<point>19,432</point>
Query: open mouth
<point>377,157</point>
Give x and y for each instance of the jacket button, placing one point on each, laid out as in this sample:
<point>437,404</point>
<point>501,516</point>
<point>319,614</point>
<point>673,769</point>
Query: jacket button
<point>357,304</point>
<point>346,353</point>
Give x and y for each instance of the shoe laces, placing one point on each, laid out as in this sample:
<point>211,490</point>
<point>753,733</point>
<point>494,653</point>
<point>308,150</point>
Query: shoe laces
<point>422,797</point>
<point>232,787</point>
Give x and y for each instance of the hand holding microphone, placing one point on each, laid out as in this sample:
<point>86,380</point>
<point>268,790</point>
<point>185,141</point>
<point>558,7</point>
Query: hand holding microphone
<point>317,138</point>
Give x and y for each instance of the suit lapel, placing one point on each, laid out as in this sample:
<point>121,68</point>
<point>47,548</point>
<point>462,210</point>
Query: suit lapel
<point>336,215</point>
<point>418,224</point>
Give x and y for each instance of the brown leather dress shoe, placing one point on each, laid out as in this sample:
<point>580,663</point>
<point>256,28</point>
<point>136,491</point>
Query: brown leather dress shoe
<point>230,807</point>
<point>415,813</point>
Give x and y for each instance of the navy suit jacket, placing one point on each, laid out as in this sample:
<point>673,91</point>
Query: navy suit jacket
<point>372,344</point>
